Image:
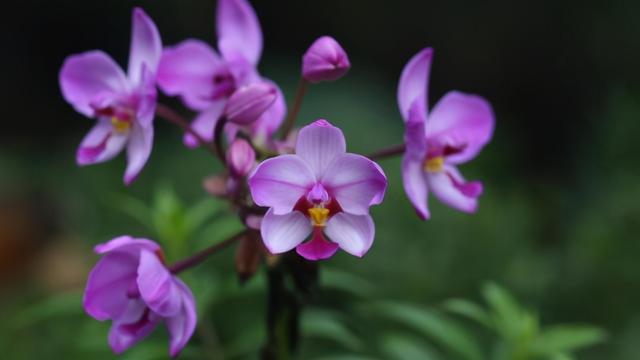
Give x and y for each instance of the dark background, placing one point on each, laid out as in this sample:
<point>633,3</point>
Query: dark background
<point>558,224</point>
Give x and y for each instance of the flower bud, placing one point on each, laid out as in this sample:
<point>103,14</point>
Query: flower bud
<point>249,102</point>
<point>240,157</point>
<point>325,60</point>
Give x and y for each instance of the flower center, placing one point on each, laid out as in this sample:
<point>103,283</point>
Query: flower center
<point>434,164</point>
<point>318,215</point>
<point>120,126</point>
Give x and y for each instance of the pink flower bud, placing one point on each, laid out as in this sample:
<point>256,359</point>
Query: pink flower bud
<point>241,157</point>
<point>325,60</point>
<point>249,102</point>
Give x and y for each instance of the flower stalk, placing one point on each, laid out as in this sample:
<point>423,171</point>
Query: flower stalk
<point>201,256</point>
<point>173,117</point>
<point>297,104</point>
<point>387,152</point>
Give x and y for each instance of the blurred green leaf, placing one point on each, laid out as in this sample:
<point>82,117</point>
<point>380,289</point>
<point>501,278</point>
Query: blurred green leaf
<point>198,214</point>
<point>133,207</point>
<point>567,338</point>
<point>469,310</point>
<point>432,325</point>
<point>404,347</point>
<point>65,304</point>
<point>507,313</point>
<point>333,278</point>
<point>329,325</point>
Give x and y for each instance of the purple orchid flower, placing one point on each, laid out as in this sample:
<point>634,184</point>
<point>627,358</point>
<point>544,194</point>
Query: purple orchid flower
<point>132,287</point>
<point>205,80</point>
<point>124,105</point>
<point>454,132</point>
<point>321,189</point>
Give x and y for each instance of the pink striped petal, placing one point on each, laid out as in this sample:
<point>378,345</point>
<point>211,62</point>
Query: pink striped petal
<point>182,325</point>
<point>318,144</point>
<point>146,46</point>
<point>156,286</point>
<point>282,233</point>
<point>414,81</point>
<point>354,233</point>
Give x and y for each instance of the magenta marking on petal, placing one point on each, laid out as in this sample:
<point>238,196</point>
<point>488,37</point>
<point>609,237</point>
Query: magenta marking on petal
<point>87,155</point>
<point>470,189</point>
<point>322,122</point>
<point>318,248</point>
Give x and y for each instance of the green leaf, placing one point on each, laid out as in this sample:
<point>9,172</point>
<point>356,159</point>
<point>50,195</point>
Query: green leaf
<point>507,313</point>
<point>405,347</point>
<point>198,214</point>
<point>434,326</point>
<point>567,338</point>
<point>61,305</point>
<point>133,207</point>
<point>469,310</point>
<point>345,281</point>
<point>328,325</point>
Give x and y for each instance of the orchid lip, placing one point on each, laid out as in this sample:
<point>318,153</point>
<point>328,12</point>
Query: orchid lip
<point>434,164</point>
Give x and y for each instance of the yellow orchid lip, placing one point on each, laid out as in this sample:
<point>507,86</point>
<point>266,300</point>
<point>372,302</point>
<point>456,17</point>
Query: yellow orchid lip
<point>318,215</point>
<point>120,126</point>
<point>435,164</point>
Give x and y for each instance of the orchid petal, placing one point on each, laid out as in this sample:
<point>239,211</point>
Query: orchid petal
<point>318,248</point>
<point>239,33</point>
<point>204,124</point>
<point>269,122</point>
<point>280,182</point>
<point>157,287</point>
<point>356,182</point>
<point>182,325</point>
<point>461,121</point>
<point>318,144</point>
<point>127,244</point>
<point>414,82</point>
<point>450,188</point>
<point>354,233</point>
<point>138,151</point>
<point>100,144</point>
<point>415,184</point>
<point>146,46</point>
<point>132,326</point>
<point>105,293</point>
<point>282,233</point>
<point>87,76</point>
<point>189,70</point>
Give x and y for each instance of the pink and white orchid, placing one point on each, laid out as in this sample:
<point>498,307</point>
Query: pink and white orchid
<point>321,189</point>
<point>454,132</point>
<point>205,80</point>
<point>132,287</point>
<point>124,105</point>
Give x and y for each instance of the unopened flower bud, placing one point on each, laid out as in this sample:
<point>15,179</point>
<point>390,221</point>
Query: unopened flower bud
<point>249,102</point>
<point>241,157</point>
<point>325,60</point>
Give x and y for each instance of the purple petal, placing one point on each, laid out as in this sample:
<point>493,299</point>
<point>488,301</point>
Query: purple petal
<point>157,287</point>
<point>280,182</point>
<point>182,325</point>
<point>415,184</point>
<point>269,122</point>
<point>414,81</point>
<point>146,46</point>
<point>356,182</point>
<point>450,188</point>
<point>281,233</point>
<point>127,244</point>
<point>147,95</point>
<point>461,121</point>
<point>204,124</point>
<point>325,60</point>
<point>138,151</point>
<point>318,248</point>
<point>239,33</point>
<point>249,102</point>
<point>132,326</point>
<point>241,158</point>
<point>88,76</point>
<point>319,143</point>
<point>100,144</point>
<point>189,69</point>
<point>354,233</point>
<point>105,296</point>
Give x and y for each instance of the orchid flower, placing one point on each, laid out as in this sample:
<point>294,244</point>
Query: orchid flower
<point>123,105</point>
<point>454,132</point>
<point>325,60</point>
<point>132,287</point>
<point>320,190</point>
<point>205,80</point>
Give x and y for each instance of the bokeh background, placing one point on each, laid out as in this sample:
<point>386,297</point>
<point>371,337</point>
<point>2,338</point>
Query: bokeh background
<point>558,224</point>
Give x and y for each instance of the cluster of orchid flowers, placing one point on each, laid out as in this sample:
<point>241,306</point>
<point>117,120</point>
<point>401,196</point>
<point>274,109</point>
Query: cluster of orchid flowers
<point>316,194</point>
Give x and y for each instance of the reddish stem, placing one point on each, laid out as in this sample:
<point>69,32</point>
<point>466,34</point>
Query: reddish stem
<point>297,104</point>
<point>173,117</point>
<point>201,256</point>
<point>387,152</point>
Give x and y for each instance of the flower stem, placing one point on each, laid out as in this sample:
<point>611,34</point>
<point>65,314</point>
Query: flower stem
<point>201,256</point>
<point>173,117</point>
<point>217,140</point>
<point>297,104</point>
<point>387,152</point>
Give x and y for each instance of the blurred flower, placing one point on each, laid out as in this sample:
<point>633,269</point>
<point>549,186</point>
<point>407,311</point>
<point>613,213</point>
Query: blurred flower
<point>132,287</point>
<point>325,60</point>
<point>249,102</point>
<point>204,80</point>
<point>124,105</point>
<point>321,189</point>
<point>241,158</point>
<point>455,131</point>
